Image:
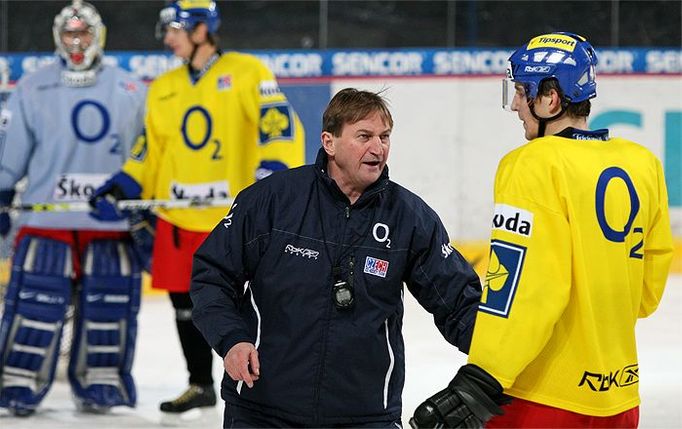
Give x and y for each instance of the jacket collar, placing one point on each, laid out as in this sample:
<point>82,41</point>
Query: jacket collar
<point>372,190</point>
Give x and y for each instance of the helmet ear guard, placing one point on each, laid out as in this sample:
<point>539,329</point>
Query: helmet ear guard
<point>79,17</point>
<point>566,57</point>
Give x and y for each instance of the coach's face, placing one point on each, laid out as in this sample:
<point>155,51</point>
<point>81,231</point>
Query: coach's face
<point>358,156</point>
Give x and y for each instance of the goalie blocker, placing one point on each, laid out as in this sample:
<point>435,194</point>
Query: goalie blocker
<point>105,328</point>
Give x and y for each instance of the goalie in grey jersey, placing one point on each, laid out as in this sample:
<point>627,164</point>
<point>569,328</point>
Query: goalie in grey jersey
<point>66,128</point>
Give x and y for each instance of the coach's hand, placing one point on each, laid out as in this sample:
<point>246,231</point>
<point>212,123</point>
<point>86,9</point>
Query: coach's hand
<point>469,401</point>
<point>241,363</point>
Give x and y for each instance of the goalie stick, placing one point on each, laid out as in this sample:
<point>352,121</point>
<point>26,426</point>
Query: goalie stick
<point>83,206</point>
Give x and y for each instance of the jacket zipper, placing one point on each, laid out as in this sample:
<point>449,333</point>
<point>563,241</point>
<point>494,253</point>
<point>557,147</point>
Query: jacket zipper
<point>323,352</point>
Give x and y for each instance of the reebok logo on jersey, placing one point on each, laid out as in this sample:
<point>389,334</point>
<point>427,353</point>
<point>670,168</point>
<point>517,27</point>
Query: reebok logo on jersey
<point>376,267</point>
<point>513,219</point>
<point>602,382</point>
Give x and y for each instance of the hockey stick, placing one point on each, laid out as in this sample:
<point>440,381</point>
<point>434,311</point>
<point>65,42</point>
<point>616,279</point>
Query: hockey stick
<point>84,206</point>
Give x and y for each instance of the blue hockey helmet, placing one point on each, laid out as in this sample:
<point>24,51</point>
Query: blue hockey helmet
<point>187,14</point>
<point>566,57</point>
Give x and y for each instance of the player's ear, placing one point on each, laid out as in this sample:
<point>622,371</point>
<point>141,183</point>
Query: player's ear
<point>327,140</point>
<point>200,33</point>
<point>554,101</point>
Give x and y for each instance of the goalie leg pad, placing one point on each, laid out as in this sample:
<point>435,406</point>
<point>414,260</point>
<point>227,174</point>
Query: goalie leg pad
<point>105,326</point>
<point>36,300</point>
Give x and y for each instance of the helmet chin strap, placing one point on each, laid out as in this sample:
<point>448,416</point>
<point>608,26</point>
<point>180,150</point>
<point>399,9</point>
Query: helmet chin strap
<point>542,122</point>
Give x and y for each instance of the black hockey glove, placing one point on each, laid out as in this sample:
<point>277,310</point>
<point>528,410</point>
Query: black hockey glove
<point>143,230</point>
<point>469,401</point>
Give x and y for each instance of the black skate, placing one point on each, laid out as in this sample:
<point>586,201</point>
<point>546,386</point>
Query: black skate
<point>188,407</point>
<point>194,397</point>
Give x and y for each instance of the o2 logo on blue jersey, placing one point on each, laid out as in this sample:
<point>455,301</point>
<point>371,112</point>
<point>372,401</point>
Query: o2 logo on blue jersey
<point>502,278</point>
<point>276,123</point>
<point>83,116</point>
<point>618,235</point>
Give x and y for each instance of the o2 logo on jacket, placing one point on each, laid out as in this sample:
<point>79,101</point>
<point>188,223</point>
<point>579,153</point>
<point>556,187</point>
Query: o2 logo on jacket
<point>380,232</point>
<point>513,219</point>
<point>502,278</point>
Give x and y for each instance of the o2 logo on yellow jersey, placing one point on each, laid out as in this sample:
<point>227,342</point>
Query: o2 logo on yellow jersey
<point>502,278</point>
<point>276,123</point>
<point>202,122</point>
<point>618,235</point>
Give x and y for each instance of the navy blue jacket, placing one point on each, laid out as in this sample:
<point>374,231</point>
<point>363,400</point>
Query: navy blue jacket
<point>266,273</point>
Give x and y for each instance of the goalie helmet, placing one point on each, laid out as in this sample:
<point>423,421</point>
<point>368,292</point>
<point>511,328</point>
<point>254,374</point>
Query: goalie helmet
<point>187,14</point>
<point>566,57</point>
<point>70,25</point>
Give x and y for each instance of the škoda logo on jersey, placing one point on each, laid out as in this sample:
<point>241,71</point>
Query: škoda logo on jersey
<point>513,219</point>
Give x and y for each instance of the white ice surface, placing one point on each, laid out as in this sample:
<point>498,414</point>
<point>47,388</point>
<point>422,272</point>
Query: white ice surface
<point>431,363</point>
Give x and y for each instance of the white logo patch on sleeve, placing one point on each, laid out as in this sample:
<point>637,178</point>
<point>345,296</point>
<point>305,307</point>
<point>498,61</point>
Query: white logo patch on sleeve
<point>513,219</point>
<point>5,117</point>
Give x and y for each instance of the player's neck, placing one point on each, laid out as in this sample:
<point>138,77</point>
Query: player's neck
<point>558,125</point>
<point>202,55</point>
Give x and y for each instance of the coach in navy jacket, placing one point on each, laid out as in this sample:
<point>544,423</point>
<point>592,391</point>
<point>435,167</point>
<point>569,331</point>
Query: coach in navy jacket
<point>300,286</point>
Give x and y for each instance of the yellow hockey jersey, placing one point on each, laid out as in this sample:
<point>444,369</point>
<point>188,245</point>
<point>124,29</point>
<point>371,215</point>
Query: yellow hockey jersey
<point>208,139</point>
<point>581,246</point>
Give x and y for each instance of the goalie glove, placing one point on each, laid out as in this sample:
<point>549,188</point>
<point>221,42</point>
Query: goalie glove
<point>119,187</point>
<point>6,198</point>
<point>469,401</point>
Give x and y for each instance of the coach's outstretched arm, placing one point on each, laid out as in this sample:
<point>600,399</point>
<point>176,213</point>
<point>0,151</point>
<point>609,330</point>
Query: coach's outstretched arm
<point>444,283</point>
